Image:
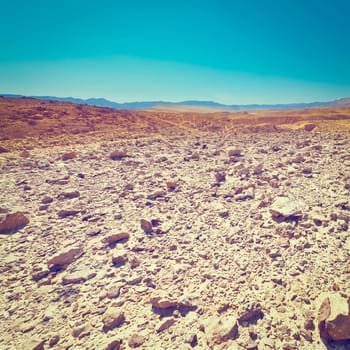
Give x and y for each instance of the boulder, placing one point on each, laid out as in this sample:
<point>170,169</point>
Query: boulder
<point>66,256</point>
<point>13,222</point>
<point>334,318</point>
<point>285,208</point>
<point>113,318</point>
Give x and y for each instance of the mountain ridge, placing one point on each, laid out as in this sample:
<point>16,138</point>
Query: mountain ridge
<point>102,102</point>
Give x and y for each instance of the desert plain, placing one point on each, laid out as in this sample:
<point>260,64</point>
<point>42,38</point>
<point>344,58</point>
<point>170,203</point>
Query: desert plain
<point>173,229</point>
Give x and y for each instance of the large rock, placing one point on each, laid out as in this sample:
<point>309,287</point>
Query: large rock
<point>113,318</point>
<point>116,237</point>
<point>285,208</point>
<point>13,222</point>
<point>162,301</point>
<point>66,256</point>
<point>334,318</point>
<point>220,330</point>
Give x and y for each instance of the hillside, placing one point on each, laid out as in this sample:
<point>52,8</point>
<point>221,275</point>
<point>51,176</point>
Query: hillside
<point>148,229</point>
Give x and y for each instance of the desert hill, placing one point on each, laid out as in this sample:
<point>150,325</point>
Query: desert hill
<point>192,105</point>
<point>152,229</point>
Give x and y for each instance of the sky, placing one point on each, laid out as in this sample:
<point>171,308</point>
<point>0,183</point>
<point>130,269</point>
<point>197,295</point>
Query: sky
<point>228,51</point>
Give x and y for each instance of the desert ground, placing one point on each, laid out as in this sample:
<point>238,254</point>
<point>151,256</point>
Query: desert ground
<point>173,229</point>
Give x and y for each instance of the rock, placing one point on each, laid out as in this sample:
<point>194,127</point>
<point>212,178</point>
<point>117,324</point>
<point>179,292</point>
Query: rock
<point>146,226</point>
<point>251,314</point>
<point>47,200</point>
<point>39,273</point>
<point>171,186</point>
<point>163,325</point>
<point>54,340</point>
<point>285,208</point>
<point>235,152</point>
<point>13,222</point>
<point>116,237</point>
<point>192,340</point>
<point>119,257</point>
<point>334,318</point>
<point>68,195</point>
<point>66,257</point>
<point>68,156</point>
<point>114,345</point>
<point>78,276</point>
<point>113,318</point>
<point>43,164</point>
<point>249,193</point>
<point>155,195</point>
<point>4,150</point>
<point>81,330</point>
<point>220,177</point>
<point>136,340</point>
<point>162,301</point>
<point>93,233</point>
<point>309,127</point>
<point>34,344</point>
<point>113,292</point>
<point>220,330</point>
<point>118,155</point>
<point>65,213</point>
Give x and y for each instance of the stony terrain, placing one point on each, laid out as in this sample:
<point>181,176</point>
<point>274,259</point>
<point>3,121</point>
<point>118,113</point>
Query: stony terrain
<point>155,230</point>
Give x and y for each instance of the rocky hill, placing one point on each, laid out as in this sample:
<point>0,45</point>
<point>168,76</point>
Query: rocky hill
<point>154,230</point>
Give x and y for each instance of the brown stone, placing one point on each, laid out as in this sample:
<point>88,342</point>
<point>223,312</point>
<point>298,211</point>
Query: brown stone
<point>165,325</point>
<point>13,222</point>
<point>46,200</point>
<point>66,256</point>
<point>146,226</point>
<point>234,152</point>
<point>69,195</point>
<point>116,237</point>
<point>119,257</point>
<point>171,186</point>
<point>113,318</point>
<point>114,345</point>
<point>118,155</point>
<point>68,156</point>
<point>136,340</point>
<point>162,301</point>
<point>334,318</point>
<point>309,127</point>
<point>65,213</point>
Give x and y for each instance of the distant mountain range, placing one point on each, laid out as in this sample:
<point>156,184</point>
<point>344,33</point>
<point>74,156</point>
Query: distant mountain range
<point>102,102</point>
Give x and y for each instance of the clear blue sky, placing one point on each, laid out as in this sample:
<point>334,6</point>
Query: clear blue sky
<point>230,51</point>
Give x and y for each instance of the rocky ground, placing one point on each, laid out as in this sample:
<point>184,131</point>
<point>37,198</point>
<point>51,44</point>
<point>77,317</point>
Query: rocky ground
<point>165,231</point>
